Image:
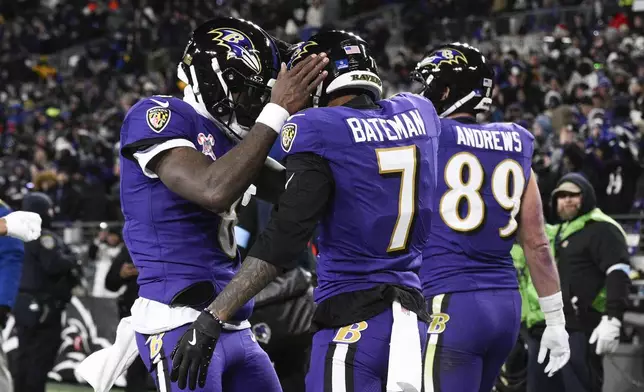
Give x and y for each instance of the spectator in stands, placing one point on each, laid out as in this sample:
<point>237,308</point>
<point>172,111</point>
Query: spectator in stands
<point>315,14</point>
<point>45,181</point>
<point>106,247</point>
<point>66,198</point>
<point>122,275</point>
<point>14,184</point>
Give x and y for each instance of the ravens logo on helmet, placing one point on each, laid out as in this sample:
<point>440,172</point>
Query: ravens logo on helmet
<point>456,77</point>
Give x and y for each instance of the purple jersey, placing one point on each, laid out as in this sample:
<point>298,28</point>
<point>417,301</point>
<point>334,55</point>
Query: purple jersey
<point>382,160</point>
<point>174,243</point>
<point>483,172</point>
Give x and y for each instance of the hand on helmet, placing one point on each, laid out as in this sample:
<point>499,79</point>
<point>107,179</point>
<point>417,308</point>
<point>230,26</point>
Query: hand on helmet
<point>293,87</point>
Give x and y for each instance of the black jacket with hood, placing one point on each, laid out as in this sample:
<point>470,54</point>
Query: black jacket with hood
<point>583,260</point>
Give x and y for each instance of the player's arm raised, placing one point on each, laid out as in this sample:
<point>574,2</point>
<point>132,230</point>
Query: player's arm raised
<point>543,271</point>
<point>216,185</point>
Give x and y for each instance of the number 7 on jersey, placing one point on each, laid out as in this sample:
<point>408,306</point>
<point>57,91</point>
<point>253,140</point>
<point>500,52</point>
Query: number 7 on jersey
<point>401,160</point>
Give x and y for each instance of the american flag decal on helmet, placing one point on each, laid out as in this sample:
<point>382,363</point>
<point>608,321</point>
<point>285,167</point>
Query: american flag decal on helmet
<point>352,49</point>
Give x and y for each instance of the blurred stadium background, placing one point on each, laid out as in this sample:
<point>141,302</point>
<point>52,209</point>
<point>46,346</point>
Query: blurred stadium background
<point>571,71</point>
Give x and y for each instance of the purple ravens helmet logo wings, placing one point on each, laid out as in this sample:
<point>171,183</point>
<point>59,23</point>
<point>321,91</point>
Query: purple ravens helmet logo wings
<point>239,46</point>
<point>444,56</point>
<point>301,50</point>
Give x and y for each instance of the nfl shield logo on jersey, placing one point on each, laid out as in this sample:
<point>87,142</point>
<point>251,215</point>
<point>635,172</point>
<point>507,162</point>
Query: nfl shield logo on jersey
<point>207,144</point>
<point>158,117</point>
<point>289,131</point>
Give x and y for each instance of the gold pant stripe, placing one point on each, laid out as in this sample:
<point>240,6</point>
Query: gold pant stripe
<point>429,380</point>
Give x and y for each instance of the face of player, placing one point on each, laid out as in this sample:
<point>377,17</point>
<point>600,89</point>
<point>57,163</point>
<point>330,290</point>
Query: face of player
<point>568,205</point>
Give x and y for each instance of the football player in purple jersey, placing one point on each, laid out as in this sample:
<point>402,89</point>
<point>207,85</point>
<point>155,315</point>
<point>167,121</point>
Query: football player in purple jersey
<point>185,165</point>
<point>364,168</point>
<point>486,197</point>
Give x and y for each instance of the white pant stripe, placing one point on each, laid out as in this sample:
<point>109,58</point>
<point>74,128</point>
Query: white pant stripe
<point>338,368</point>
<point>162,377</point>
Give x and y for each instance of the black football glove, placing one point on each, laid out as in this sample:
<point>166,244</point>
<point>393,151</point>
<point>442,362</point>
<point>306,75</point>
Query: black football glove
<point>191,356</point>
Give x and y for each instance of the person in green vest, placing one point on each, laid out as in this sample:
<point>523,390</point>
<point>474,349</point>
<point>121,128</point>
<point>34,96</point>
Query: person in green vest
<point>593,262</point>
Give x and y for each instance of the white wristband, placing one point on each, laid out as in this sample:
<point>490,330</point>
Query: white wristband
<point>552,308</point>
<point>555,318</point>
<point>273,116</point>
<point>551,303</point>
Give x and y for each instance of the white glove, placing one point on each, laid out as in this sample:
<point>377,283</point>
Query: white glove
<point>23,225</point>
<point>555,337</point>
<point>606,335</point>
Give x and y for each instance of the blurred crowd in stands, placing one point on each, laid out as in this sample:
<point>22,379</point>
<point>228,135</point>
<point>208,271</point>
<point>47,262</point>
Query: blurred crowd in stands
<point>571,71</point>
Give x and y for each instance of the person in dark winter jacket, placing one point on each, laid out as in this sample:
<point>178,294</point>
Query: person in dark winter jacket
<point>593,262</point>
<point>50,272</point>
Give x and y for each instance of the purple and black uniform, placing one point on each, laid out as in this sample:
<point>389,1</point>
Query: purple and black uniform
<point>184,253</point>
<point>467,275</point>
<point>366,172</point>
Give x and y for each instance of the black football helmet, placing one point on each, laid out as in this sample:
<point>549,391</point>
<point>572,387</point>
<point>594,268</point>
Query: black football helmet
<point>230,66</point>
<point>285,48</point>
<point>463,70</point>
<point>351,66</point>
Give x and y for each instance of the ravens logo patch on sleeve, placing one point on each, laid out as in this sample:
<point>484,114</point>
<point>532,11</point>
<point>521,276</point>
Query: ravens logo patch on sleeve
<point>158,118</point>
<point>289,131</point>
